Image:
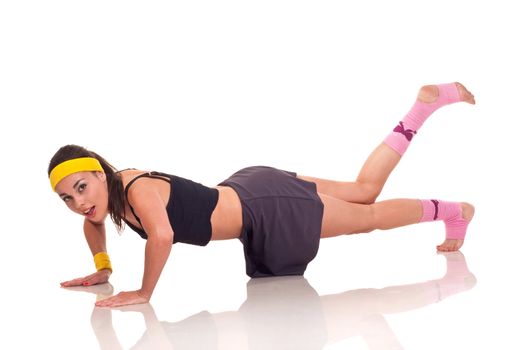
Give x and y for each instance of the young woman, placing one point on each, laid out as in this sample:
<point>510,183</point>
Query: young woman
<point>278,215</point>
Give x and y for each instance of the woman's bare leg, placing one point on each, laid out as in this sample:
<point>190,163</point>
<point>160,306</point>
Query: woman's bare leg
<point>370,181</point>
<point>342,217</point>
<point>381,162</point>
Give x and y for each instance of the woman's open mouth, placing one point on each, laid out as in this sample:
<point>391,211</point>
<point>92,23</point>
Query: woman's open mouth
<point>90,213</point>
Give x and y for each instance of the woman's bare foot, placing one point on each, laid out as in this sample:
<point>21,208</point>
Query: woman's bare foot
<point>451,245</point>
<point>464,94</point>
<point>430,93</point>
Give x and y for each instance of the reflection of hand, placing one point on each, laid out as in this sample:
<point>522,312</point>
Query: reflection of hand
<point>145,309</point>
<point>98,277</point>
<point>102,324</point>
<point>155,336</point>
<point>123,298</point>
<point>102,291</point>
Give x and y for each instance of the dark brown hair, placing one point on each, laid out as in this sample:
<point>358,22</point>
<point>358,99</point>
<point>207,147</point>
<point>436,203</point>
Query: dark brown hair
<point>116,204</point>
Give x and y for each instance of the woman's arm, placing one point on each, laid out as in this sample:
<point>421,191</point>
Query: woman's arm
<point>95,236</point>
<point>96,239</point>
<point>151,209</point>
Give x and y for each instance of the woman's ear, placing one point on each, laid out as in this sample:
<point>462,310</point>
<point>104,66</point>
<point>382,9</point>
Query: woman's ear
<point>101,175</point>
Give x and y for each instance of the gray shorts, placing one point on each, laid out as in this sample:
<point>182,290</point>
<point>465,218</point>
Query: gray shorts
<point>282,218</point>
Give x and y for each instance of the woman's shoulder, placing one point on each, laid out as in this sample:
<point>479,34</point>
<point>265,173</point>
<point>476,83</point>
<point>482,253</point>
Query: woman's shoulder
<point>142,183</point>
<point>127,175</point>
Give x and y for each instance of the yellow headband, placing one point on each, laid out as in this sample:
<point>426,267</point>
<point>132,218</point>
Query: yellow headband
<point>73,166</point>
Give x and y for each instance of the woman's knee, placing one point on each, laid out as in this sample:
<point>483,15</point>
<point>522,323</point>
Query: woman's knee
<point>368,193</point>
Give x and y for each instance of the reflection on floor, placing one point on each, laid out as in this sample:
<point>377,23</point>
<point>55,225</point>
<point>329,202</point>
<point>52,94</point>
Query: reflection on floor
<point>287,313</point>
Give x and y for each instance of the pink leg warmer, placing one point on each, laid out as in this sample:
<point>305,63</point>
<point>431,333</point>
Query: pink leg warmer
<point>400,137</point>
<point>450,213</point>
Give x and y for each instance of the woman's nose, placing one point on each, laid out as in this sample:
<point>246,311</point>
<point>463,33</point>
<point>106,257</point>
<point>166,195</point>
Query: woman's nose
<point>79,203</point>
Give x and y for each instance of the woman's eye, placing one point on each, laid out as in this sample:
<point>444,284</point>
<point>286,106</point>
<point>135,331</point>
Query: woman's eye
<point>66,198</point>
<point>81,187</point>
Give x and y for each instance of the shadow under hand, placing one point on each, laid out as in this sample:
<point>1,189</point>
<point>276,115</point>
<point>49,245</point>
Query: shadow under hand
<point>286,312</point>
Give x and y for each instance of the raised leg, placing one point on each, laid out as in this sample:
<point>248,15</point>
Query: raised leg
<point>370,181</point>
<point>382,161</point>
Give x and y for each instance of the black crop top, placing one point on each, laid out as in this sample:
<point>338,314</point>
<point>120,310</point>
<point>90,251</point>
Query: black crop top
<point>189,209</point>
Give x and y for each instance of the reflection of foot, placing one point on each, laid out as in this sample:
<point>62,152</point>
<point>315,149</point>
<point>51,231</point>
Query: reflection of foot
<point>458,278</point>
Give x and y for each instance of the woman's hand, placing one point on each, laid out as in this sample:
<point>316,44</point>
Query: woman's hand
<point>124,298</point>
<point>98,277</point>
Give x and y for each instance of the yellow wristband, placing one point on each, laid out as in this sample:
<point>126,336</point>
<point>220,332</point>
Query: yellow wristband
<point>102,261</point>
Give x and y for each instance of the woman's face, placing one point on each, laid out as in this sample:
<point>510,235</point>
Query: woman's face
<point>85,193</point>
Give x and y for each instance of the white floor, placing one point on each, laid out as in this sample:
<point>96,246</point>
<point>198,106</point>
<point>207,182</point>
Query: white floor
<point>203,88</point>
<point>364,292</point>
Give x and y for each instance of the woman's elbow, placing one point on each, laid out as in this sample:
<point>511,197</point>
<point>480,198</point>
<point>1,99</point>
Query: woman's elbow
<point>161,237</point>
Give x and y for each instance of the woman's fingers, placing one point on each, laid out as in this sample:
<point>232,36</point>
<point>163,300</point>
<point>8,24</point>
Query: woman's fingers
<point>94,278</point>
<point>89,281</point>
<point>75,282</point>
<point>97,278</point>
<point>122,299</point>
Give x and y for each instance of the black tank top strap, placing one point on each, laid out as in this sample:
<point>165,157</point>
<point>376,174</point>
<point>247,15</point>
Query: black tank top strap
<point>151,174</point>
<point>160,175</point>
<point>189,208</point>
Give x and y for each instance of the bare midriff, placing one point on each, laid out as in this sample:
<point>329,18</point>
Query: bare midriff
<point>226,219</point>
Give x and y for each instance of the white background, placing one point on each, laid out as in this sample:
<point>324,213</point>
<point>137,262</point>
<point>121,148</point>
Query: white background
<point>203,88</point>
